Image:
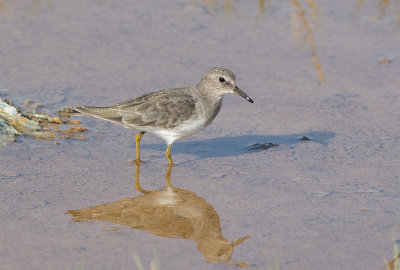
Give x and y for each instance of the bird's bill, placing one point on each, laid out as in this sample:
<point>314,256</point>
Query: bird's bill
<point>239,92</point>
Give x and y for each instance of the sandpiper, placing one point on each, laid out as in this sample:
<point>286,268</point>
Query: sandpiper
<point>172,113</point>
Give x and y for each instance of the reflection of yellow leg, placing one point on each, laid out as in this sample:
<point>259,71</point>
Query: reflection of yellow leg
<point>138,187</point>
<point>168,175</point>
<point>138,137</point>
<point>168,154</point>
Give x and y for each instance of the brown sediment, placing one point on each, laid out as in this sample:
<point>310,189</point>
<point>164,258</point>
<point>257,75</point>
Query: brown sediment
<point>73,122</point>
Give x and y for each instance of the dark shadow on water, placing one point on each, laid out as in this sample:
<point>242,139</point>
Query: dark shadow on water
<point>239,145</point>
<point>170,212</point>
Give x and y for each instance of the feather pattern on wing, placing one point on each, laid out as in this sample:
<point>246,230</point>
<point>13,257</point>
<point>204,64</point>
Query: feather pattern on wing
<point>163,109</point>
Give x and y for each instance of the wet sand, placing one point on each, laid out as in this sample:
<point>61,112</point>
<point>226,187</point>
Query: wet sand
<point>331,202</point>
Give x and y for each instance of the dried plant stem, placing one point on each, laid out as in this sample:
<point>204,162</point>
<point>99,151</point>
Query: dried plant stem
<point>301,15</point>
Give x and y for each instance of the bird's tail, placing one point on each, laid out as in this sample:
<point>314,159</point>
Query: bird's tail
<point>106,113</point>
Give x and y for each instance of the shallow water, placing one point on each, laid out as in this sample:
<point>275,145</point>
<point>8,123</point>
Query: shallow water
<point>331,202</point>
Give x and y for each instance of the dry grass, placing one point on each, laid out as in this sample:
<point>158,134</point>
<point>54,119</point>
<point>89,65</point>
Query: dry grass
<point>304,14</point>
<point>385,7</point>
<point>302,30</point>
<point>304,17</point>
<point>394,264</point>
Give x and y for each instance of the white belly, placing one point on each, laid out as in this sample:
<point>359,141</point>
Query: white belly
<point>186,129</point>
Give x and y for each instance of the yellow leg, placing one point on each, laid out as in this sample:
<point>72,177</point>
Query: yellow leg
<point>168,154</point>
<point>138,137</point>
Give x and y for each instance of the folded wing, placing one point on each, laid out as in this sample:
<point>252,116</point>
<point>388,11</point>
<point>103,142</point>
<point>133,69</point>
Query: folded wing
<point>162,109</point>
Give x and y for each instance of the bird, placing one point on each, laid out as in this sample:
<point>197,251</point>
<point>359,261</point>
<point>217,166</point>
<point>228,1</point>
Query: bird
<point>173,113</point>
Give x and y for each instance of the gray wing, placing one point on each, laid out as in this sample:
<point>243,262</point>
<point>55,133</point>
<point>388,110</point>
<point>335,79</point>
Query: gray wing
<point>166,109</point>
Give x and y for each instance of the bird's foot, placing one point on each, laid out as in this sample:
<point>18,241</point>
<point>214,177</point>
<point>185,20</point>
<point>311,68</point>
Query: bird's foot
<point>137,161</point>
<point>171,164</point>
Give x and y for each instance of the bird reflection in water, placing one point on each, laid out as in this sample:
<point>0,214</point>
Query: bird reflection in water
<point>170,212</point>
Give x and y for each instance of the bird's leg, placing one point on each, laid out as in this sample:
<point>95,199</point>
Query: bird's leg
<point>138,137</point>
<point>168,154</point>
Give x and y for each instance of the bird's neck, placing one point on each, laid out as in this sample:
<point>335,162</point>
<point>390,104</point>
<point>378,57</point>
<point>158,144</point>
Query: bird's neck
<point>211,105</point>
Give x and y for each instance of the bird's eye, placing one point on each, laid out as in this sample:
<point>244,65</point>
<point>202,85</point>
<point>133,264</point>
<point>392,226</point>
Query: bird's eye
<point>221,79</point>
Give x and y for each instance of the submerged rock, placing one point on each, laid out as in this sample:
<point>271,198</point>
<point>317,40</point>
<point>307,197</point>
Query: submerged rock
<point>262,146</point>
